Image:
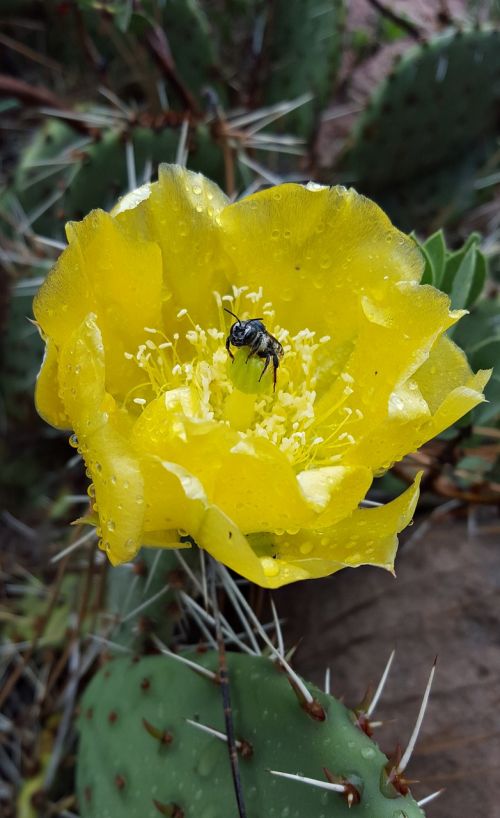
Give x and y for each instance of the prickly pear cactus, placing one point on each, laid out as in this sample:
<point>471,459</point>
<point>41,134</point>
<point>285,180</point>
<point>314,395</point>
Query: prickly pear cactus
<point>280,51</point>
<point>433,108</point>
<point>303,48</point>
<point>190,38</point>
<point>63,175</point>
<point>141,598</point>
<point>140,756</point>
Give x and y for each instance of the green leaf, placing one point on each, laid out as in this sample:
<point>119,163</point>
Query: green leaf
<point>482,323</point>
<point>486,354</point>
<point>454,261</point>
<point>435,250</point>
<point>428,274</point>
<point>480,275</point>
<point>463,280</point>
<point>489,411</point>
<point>474,238</point>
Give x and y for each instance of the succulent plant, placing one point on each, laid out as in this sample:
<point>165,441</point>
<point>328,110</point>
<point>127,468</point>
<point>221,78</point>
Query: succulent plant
<point>153,742</point>
<point>428,126</point>
<point>141,598</point>
<point>62,175</point>
<point>304,40</point>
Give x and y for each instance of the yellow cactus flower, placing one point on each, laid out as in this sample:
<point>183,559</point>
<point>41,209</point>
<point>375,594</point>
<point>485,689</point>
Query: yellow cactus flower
<point>178,439</point>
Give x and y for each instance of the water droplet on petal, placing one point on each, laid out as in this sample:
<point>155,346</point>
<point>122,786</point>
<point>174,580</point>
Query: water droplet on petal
<point>270,567</point>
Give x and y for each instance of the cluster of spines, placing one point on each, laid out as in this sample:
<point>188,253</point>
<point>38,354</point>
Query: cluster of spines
<point>171,699</point>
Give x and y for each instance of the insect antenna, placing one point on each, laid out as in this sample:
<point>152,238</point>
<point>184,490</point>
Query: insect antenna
<point>233,314</point>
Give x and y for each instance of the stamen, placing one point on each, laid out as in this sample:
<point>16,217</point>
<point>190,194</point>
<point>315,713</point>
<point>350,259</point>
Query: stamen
<point>307,428</point>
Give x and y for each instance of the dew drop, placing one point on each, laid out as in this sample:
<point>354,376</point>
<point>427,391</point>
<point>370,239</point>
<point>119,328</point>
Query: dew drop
<point>110,525</point>
<point>368,752</point>
<point>73,441</point>
<point>270,567</point>
<point>306,548</point>
<point>196,190</point>
<point>91,490</point>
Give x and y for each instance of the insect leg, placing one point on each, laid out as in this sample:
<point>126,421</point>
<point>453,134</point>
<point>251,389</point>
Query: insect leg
<point>228,347</point>
<point>276,363</point>
<point>268,360</point>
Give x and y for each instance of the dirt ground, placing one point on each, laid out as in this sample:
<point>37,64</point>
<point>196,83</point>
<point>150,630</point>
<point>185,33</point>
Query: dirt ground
<point>446,602</point>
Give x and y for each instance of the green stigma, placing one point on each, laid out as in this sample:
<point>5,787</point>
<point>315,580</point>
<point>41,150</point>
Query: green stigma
<point>246,373</point>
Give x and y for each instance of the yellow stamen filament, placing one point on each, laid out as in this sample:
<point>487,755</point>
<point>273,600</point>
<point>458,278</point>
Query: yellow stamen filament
<point>289,418</point>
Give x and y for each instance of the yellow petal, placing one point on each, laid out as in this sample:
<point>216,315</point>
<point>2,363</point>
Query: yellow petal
<point>459,401</point>
<point>181,214</point>
<point>119,280</point>
<point>387,354</point>
<point>366,537</point>
<point>219,535</point>
<point>334,491</point>
<point>174,498</point>
<point>257,488</point>
<point>315,252</point>
<point>166,430</point>
<point>47,400</point>
<point>103,436</point>
<point>401,430</point>
<point>448,385</point>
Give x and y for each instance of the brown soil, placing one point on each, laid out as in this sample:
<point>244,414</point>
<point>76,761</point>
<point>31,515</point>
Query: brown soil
<point>446,602</point>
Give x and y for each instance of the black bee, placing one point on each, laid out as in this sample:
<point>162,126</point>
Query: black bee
<point>253,334</point>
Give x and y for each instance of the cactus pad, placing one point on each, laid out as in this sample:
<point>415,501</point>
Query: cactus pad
<point>438,102</point>
<point>141,595</point>
<point>139,756</point>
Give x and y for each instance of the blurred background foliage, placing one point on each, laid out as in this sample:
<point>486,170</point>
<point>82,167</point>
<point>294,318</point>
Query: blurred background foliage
<point>399,99</point>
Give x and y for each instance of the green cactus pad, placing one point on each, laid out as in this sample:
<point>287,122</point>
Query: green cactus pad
<point>434,107</point>
<point>303,49</point>
<point>146,586</point>
<point>93,173</point>
<point>139,756</point>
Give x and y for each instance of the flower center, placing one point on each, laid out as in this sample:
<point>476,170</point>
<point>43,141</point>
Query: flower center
<point>307,416</point>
